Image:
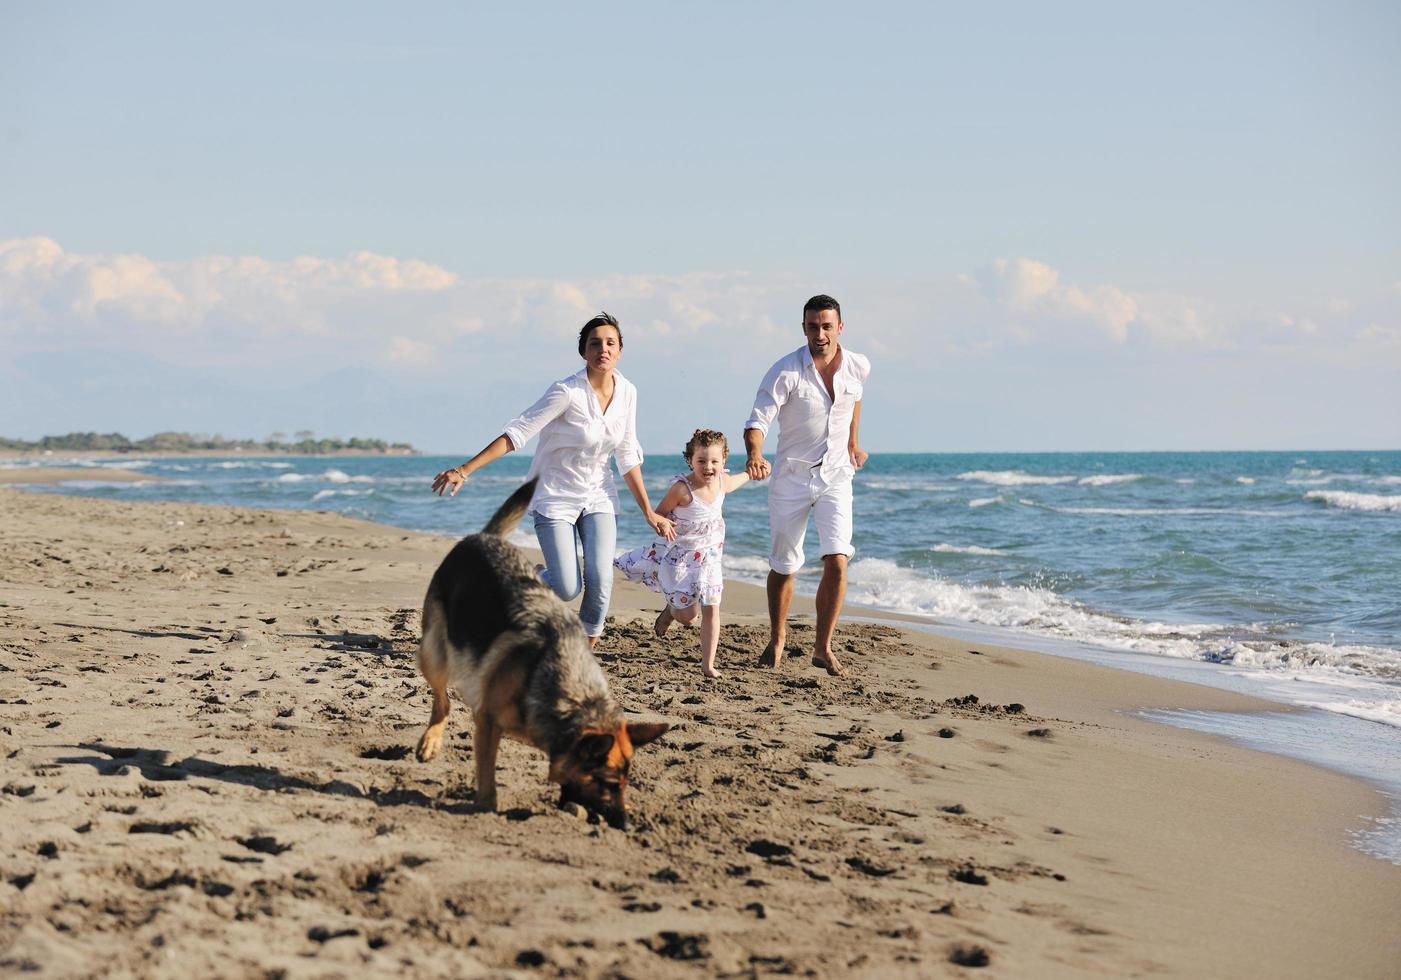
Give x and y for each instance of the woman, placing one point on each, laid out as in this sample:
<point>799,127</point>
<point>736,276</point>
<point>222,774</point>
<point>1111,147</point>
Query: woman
<point>581,420</point>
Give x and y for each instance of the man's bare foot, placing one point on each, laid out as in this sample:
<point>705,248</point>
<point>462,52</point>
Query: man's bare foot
<point>772,657</point>
<point>830,663</point>
<point>664,621</point>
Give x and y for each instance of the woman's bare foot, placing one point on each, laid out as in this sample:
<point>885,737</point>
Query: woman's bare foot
<point>710,672</point>
<point>664,621</point>
<point>830,663</point>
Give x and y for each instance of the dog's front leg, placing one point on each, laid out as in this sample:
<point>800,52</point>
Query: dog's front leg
<point>485,740</point>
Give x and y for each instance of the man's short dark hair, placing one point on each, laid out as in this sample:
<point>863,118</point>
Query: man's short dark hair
<point>822,302</point>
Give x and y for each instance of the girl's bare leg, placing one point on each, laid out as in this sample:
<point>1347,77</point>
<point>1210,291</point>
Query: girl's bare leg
<point>710,639</point>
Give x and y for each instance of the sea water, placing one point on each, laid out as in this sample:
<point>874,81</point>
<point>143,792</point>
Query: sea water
<point>1276,573</point>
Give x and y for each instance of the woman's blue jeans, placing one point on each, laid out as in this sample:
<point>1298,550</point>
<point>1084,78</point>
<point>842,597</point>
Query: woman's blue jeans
<point>599,535</point>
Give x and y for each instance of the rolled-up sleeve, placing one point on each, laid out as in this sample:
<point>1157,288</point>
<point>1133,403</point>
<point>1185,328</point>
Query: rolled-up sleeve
<point>773,392</point>
<point>628,452</point>
<point>528,424</point>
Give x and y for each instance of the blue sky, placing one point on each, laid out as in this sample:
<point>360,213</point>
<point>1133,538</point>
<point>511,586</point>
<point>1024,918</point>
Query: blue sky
<point>1082,226</point>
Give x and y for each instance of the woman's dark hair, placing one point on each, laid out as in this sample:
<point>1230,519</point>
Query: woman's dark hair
<point>602,320</point>
<point>705,437</point>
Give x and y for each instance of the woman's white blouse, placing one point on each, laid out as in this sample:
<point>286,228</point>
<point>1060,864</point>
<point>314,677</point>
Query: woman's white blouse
<point>576,439</point>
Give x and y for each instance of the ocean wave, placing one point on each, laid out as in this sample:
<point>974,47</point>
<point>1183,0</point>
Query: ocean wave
<point>1013,478</point>
<point>1156,511</point>
<point>747,567</point>
<point>1245,481</point>
<point>329,476</point>
<point>1108,479</point>
<point>984,501</point>
<point>883,584</point>
<point>130,464</point>
<point>323,494</point>
<point>887,483</point>
<point>1346,500</point>
<point>972,549</point>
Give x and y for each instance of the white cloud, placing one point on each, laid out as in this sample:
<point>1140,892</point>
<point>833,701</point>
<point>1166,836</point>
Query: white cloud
<point>377,311</point>
<point>1027,287</point>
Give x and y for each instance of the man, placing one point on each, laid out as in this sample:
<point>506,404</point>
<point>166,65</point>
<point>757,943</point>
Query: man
<point>815,395</point>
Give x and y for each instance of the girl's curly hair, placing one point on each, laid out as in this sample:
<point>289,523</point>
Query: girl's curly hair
<point>705,437</point>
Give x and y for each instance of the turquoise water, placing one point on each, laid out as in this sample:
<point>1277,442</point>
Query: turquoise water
<point>1284,568</point>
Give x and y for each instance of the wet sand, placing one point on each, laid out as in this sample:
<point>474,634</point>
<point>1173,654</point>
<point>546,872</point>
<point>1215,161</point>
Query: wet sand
<point>207,718</point>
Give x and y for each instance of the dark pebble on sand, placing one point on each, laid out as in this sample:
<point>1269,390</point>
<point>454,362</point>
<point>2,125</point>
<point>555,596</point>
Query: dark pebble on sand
<point>897,737</point>
<point>530,957</point>
<point>970,956</point>
<point>957,809</point>
<point>758,909</point>
<point>969,877</point>
<point>320,934</point>
<point>867,868</point>
<point>947,733</point>
<point>768,849</point>
<point>678,945</point>
<point>1039,733</point>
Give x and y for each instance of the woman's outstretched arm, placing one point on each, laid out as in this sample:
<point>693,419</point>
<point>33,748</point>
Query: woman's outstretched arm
<point>455,477</point>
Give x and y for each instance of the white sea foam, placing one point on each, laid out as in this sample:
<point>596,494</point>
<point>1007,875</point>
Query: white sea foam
<point>984,501</point>
<point>1108,479</point>
<point>130,464</point>
<point>1346,500</point>
<point>1245,480</point>
<point>1346,669</point>
<point>329,476</point>
<point>323,494</point>
<point>1155,511</point>
<point>971,549</point>
<point>747,567</point>
<point>886,483</point>
<point>1013,478</point>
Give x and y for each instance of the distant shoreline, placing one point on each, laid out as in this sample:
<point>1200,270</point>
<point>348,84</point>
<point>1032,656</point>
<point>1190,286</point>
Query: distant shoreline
<point>51,454</point>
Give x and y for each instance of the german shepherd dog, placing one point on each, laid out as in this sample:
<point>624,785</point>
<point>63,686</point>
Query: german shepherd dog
<point>518,656</point>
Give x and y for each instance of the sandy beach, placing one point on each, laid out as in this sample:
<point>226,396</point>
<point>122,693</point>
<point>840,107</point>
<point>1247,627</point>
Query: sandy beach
<point>207,718</point>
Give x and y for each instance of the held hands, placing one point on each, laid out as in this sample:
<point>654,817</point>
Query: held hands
<point>453,478</point>
<point>757,467</point>
<point>858,456</point>
<point>662,526</point>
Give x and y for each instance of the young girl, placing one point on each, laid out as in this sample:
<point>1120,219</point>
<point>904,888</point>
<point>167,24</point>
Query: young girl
<point>687,570</point>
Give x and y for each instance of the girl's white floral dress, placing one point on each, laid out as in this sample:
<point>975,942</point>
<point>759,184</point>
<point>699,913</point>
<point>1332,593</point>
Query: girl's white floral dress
<point>687,570</point>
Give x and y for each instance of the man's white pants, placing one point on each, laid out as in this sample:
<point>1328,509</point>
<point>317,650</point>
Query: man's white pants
<point>796,492</point>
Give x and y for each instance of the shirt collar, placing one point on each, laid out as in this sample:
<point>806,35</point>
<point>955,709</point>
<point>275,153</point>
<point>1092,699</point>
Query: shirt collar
<point>805,358</point>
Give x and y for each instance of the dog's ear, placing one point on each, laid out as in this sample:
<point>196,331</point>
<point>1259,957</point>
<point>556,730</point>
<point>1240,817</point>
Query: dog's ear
<point>642,732</point>
<point>593,747</point>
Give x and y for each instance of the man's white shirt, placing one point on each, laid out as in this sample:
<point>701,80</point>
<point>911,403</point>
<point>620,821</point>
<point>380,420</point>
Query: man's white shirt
<point>576,439</point>
<point>814,429</point>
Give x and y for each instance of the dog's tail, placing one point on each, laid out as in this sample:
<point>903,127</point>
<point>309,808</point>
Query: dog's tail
<point>508,515</point>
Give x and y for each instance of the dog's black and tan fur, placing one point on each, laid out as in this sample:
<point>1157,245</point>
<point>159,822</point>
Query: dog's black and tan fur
<point>518,656</point>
